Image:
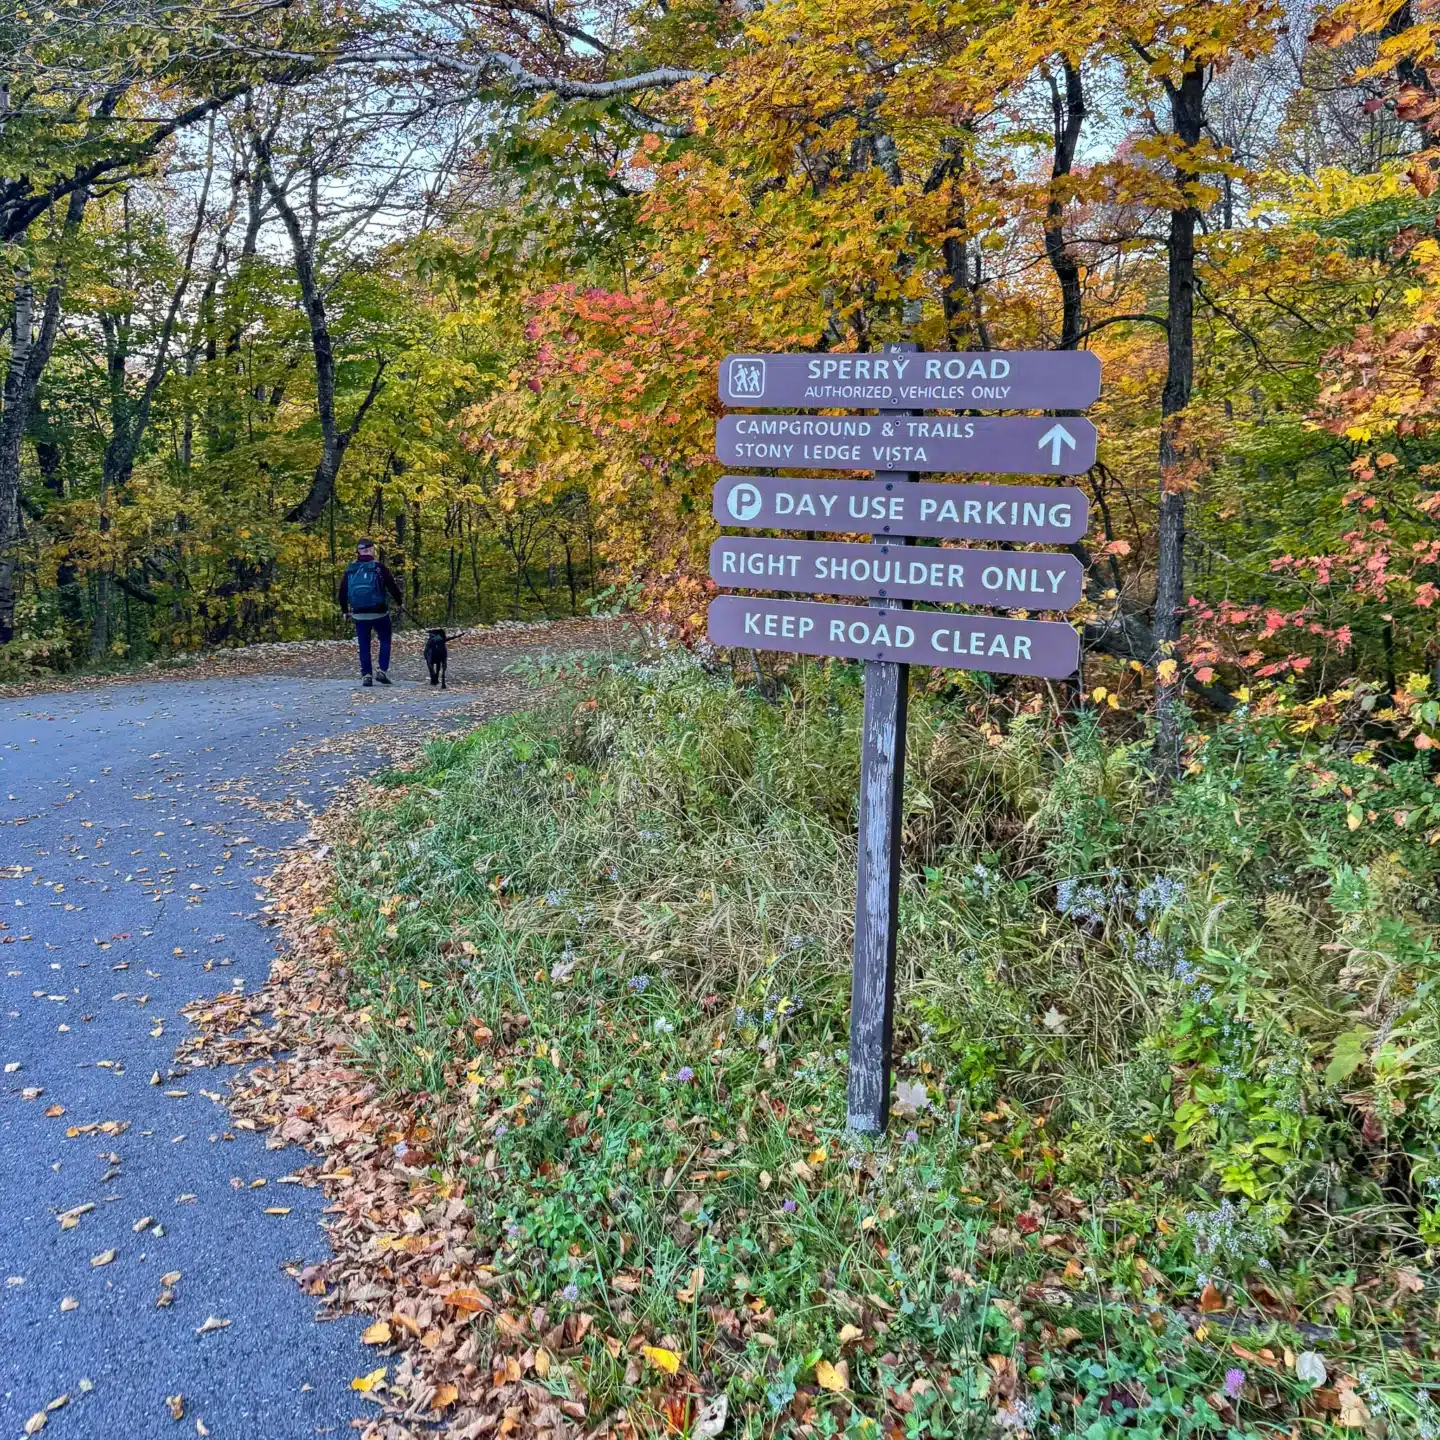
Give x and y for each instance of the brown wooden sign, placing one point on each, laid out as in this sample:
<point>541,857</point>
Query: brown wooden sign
<point>898,444</point>
<point>960,380</point>
<point>1046,648</point>
<point>998,578</point>
<point>1019,514</point>
<point>934,444</point>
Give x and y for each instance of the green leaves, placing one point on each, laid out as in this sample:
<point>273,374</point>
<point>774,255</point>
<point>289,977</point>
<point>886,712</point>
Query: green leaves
<point>1349,1054</point>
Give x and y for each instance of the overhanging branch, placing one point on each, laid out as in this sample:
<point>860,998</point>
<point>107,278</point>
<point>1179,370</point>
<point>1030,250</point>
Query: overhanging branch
<point>1159,320</point>
<point>488,66</point>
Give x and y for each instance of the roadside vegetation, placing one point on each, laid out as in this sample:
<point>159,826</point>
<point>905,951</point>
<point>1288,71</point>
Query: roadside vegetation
<point>1164,1156</point>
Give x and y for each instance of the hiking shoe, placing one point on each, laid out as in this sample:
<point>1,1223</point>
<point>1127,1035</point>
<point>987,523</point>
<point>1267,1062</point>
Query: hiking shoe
<point>383,678</point>
<point>367,682</point>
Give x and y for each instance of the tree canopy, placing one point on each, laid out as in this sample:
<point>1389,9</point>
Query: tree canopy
<point>281,275</point>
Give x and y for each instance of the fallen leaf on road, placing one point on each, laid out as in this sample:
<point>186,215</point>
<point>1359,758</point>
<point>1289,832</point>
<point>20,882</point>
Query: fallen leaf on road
<point>69,1219</point>
<point>666,1360</point>
<point>277,1209</point>
<point>366,1383</point>
<point>31,1092</point>
<point>36,1423</point>
<point>376,1334</point>
<point>142,1223</point>
<point>444,1397</point>
<point>54,1112</point>
<point>212,1322</point>
<point>200,1429</point>
<point>69,1303</point>
<point>169,1278</point>
<point>177,1406</point>
<point>103,1258</point>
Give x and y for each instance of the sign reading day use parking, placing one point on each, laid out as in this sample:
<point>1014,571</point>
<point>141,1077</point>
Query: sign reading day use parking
<point>909,637</point>
<point>1020,514</point>
<point>1008,581</point>
<point>964,380</point>
<point>981,444</point>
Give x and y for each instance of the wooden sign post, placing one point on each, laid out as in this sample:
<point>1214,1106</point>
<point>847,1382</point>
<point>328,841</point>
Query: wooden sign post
<point>887,635</point>
<point>877,885</point>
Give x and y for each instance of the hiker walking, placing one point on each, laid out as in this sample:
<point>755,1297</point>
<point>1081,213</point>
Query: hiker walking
<point>366,590</point>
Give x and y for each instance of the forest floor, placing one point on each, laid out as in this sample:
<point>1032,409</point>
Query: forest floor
<point>148,1237</point>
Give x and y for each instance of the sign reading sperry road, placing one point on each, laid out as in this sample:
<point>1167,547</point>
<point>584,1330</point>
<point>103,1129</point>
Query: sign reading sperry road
<point>908,637</point>
<point>973,380</point>
<point>899,572</point>
<point>1021,514</point>
<point>987,445</point>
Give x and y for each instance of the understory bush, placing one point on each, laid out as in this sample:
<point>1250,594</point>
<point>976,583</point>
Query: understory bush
<point>1159,1054</point>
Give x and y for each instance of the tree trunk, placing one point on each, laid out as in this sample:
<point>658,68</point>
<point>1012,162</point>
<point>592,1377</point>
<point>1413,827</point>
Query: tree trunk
<point>1187,107</point>
<point>29,355</point>
<point>333,440</point>
<point>1068,113</point>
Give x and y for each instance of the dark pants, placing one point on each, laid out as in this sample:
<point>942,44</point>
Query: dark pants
<point>363,630</point>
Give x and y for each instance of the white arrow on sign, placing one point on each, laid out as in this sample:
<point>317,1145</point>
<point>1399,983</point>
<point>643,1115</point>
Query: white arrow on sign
<point>1056,436</point>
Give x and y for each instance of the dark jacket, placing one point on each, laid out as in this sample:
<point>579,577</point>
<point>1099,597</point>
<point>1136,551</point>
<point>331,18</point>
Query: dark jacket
<point>386,579</point>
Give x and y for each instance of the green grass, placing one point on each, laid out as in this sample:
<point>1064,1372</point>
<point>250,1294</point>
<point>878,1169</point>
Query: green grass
<point>1162,1045</point>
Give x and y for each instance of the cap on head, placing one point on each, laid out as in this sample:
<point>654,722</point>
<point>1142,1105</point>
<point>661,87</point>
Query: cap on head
<point>364,544</point>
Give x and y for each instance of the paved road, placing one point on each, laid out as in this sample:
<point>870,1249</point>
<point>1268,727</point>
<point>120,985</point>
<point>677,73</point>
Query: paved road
<point>134,821</point>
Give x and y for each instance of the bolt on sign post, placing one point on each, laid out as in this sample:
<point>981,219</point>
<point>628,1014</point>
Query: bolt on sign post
<point>899,443</point>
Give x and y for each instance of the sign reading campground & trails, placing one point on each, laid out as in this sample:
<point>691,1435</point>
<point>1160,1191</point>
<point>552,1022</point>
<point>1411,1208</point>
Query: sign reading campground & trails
<point>899,443</point>
<point>913,637</point>
<point>961,380</point>
<point>985,445</point>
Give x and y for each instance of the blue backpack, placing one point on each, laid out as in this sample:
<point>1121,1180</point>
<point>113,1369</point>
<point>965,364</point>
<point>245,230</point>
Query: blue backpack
<point>366,591</point>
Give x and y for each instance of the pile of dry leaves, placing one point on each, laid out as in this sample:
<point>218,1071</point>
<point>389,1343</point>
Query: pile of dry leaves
<point>451,1352</point>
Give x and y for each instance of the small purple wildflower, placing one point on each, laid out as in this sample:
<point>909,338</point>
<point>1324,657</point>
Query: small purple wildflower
<point>513,1231</point>
<point>912,1137</point>
<point>684,1075</point>
<point>789,1207</point>
<point>1234,1383</point>
<point>571,1292</point>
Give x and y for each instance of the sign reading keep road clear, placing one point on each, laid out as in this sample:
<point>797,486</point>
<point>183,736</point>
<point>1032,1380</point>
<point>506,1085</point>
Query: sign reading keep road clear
<point>1007,580</point>
<point>908,637</point>
<point>964,380</point>
<point>987,445</point>
<point>1020,514</point>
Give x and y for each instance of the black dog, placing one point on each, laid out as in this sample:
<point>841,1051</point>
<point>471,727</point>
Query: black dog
<point>437,658</point>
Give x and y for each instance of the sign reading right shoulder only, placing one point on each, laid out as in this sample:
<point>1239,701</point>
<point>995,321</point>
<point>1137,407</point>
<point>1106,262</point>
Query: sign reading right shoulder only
<point>1008,581</point>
